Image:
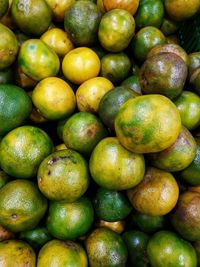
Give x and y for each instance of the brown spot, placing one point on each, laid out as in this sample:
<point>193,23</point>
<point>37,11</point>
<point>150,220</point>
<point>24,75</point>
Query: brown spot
<point>14,216</point>
<point>52,161</point>
<point>49,172</point>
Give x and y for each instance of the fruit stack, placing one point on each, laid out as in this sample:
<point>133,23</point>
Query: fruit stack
<point>100,134</point>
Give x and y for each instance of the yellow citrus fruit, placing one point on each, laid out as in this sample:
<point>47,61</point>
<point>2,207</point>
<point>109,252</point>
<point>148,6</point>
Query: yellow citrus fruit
<point>58,40</point>
<point>54,98</point>
<point>156,195</point>
<point>144,124</point>
<point>90,93</point>
<point>80,65</point>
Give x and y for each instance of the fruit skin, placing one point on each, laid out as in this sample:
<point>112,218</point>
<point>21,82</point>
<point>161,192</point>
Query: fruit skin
<point>80,65</point>
<point>21,205</point>
<point>111,205</point>
<point>163,73</point>
<point>188,104</point>
<point>16,253</point>
<point>70,220</point>
<point>149,13</point>
<point>144,40</point>
<point>166,249</point>
<point>147,131</point>
<point>5,234</point>
<point>54,98</point>
<point>186,216</point>
<point>115,66</point>
<point>111,102</point>
<point>116,29</point>
<point>23,149</point>
<point>8,47</point>
<point>180,10</point>
<point>117,226</point>
<point>194,62</point>
<point>132,82</point>
<point>15,108</point>
<point>38,60</point>
<point>178,156</point>
<point>136,243</point>
<point>156,195</point>
<point>191,174</point>
<point>107,247</point>
<point>56,253</point>
<point>63,176</point>
<point>36,237</point>
<point>90,93</point>
<point>81,22</point>
<point>196,246</point>
<point>7,76</point>
<point>4,4</point>
<point>129,5</point>
<point>83,131</point>
<point>33,17</point>
<point>115,168</point>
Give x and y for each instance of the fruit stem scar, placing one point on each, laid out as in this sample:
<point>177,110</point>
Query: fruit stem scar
<point>14,216</point>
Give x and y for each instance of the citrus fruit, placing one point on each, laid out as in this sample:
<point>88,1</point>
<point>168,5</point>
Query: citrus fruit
<point>178,156</point>
<point>4,4</point>
<point>188,104</point>
<point>80,65</point>
<point>5,234</point>
<point>105,246</point>
<point>148,223</point>
<point>58,40</point>
<point>36,237</point>
<point>156,195</point>
<point>180,10</point>
<point>16,253</point>
<point>144,40</point>
<point>116,29</point>
<point>8,47</point>
<point>164,74</point>
<point>59,8</point>
<point>81,22</point>
<point>169,26</point>
<point>23,149</point>
<point>54,98</point>
<point>83,131</point>
<point>169,48</point>
<point>185,217</point>
<point>38,60</point>
<point>196,246</point>
<point>22,205</point>
<point>115,168</point>
<point>194,62</point>
<point>111,205</point>
<point>115,66</point>
<point>56,253</point>
<point>144,124</point>
<point>6,76</point>
<point>32,17</point>
<point>70,220</point>
<point>117,226</point>
<point>149,13</point>
<point>129,5</point>
<point>15,107</point>
<point>195,80</point>
<point>191,174</point>
<point>132,82</point>
<point>63,175</point>
<point>166,248</point>
<point>90,93</point>
<point>136,243</point>
<point>111,102</point>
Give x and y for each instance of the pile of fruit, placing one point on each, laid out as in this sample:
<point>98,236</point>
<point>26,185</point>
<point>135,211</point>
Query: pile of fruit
<point>99,134</point>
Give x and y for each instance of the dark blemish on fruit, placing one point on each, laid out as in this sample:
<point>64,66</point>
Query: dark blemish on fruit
<point>49,172</point>
<point>14,216</point>
<point>52,161</point>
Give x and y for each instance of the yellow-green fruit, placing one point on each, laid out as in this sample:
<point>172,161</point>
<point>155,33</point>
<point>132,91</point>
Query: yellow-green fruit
<point>8,47</point>
<point>115,168</point>
<point>58,253</point>
<point>63,176</point>
<point>38,60</point>
<point>23,149</point>
<point>22,205</point>
<point>33,17</point>
<point>147,124</point>
<point>16,253</point>
<point>156,195</point>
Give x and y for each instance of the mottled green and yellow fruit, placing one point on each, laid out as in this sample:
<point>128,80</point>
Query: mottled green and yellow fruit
<point>58,253</point>
<point>144,124</point>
